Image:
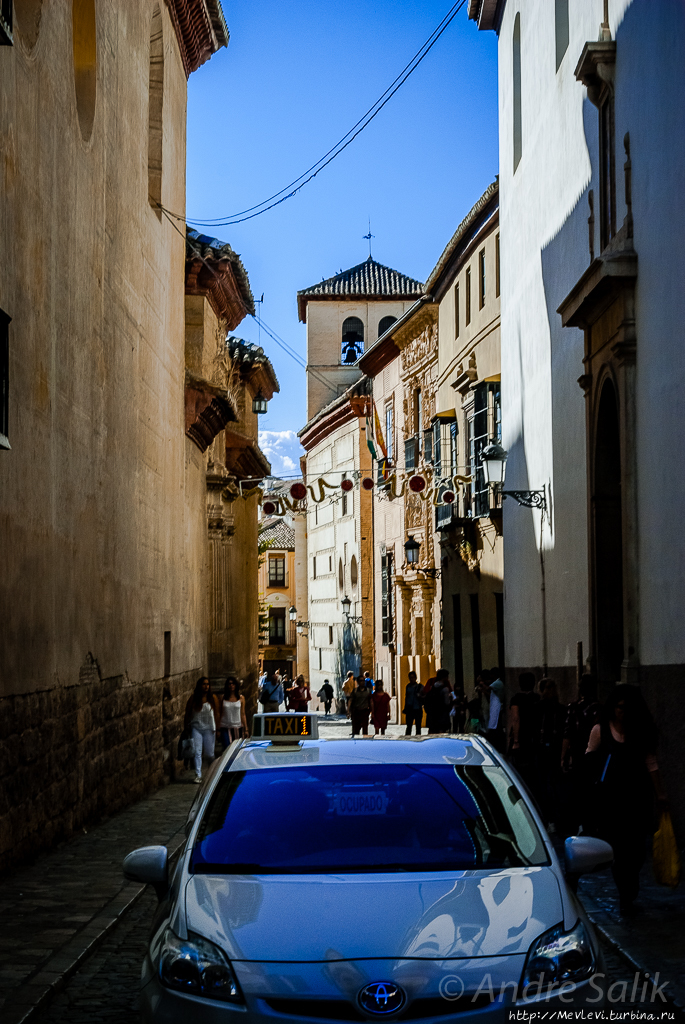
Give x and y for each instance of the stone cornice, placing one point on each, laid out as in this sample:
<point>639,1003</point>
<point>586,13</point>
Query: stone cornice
<point>215,279</point>
<point>200,30</point>
<point>606,276</point>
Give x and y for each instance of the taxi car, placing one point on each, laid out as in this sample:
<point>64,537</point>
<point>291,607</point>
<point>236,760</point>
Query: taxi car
<point>361,879</point>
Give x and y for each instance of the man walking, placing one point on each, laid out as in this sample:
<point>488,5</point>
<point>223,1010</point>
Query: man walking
<point>326,695</point>
<point>360,705</point>
<point>271,694</point>
<point>413,706</point>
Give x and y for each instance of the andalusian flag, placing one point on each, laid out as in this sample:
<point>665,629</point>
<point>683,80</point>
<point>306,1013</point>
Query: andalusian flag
<point>379,433</point>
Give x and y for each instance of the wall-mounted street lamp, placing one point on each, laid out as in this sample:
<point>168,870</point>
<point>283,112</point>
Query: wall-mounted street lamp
<point>259,403</point>
<point>494,459</point>
<point>292,612</point>
<point>411,551</point>
<point>301,628</point>
<point>346,605</point>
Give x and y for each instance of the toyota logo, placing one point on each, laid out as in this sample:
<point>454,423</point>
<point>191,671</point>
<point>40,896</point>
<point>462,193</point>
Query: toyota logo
<point>382,998</point>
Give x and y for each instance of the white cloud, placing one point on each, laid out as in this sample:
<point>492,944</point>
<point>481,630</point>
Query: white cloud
<point>283,449</point>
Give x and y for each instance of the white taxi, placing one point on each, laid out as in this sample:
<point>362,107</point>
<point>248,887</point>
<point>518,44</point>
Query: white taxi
<point>363,879</point>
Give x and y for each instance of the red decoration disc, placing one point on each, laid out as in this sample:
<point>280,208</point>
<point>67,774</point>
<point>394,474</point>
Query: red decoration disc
<point>416,483</point>
<point>448,497</point>
<point>298,491</point>
<point>367,483</point>
<point>347,485</point>
<point>268,508</point>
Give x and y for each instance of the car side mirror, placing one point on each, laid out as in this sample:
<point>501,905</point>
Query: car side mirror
<point>149,865</point>
<point>586,853</point>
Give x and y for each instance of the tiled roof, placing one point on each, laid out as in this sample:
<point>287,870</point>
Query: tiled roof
<point>214,251</point>
<point>200,29</point>
<point>280,533</point>
<point>246,355</point>
<point>368,279</point>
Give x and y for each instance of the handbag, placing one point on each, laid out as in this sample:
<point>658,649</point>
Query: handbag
<point>186,747</point>
<point>665,856</point>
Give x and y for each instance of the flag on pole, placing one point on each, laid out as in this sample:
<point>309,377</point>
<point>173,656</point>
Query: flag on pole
<point>369,438</point>
<point>379,432</point>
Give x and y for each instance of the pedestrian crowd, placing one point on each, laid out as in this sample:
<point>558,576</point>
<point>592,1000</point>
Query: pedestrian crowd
<point>590,767</point>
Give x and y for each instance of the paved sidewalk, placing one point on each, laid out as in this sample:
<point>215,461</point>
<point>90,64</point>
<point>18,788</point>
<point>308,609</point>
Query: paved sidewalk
<point>653,941</point>
<point>55,912</point>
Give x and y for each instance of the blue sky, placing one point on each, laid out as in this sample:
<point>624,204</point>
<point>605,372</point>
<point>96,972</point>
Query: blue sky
<point>295,77</point>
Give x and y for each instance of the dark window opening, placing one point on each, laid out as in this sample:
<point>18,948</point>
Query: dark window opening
<point>475,635</point>
<point>386,599</point>
<point>518,143</point>
<point>428,444</point>
<point>389,432</point>
<point>155,112</point>
<point>330,636</point>
<point>167,654</point>
<point>481,278</point>
<point>276,625</point>
<point>561,29</point>
<point>458,652</point>
<point>467,288</point>
<point>352,339</point>
<point>607,192</point>
<point>497,265</point>
<point>385,324</point>
<point>4,379</point>
<point>277,571</point>
<point>456,310</point>
<point>410,453</point>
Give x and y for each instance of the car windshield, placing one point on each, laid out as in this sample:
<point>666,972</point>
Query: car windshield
<point>380,817</point>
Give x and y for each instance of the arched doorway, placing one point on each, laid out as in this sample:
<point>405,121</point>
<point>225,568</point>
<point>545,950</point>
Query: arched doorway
<point>607,540</point>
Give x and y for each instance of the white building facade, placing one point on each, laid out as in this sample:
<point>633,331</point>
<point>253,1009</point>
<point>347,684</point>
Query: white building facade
<point>592,150</point>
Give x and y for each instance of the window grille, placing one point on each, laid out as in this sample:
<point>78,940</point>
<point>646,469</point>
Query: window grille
<point>410,453</point>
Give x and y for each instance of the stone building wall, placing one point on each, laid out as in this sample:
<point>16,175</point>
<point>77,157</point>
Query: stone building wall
<point>102,521</point>
<point>71,754</point>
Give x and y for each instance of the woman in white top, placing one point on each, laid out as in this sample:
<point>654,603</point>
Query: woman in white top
<point>201,718</point>
<point>233,722</point>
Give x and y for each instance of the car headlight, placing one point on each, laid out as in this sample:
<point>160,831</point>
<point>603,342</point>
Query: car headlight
<point>558,958</point>
<point>197,966</point>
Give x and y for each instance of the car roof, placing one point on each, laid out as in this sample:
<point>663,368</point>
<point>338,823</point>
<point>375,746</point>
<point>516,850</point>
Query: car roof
<point>258,753</point>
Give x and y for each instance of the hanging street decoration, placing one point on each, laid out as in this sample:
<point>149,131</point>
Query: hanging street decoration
<point>441,492</point>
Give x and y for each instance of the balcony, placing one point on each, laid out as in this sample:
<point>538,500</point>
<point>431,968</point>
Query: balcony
<point>276,638</point>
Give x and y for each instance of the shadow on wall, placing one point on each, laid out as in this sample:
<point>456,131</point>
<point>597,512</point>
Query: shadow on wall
<point>348,656</point>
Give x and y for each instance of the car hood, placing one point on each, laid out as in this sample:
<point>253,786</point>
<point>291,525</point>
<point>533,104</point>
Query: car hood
<point>314,918</point>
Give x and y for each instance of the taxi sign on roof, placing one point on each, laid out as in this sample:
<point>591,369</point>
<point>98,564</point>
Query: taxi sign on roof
<point>287,728</point>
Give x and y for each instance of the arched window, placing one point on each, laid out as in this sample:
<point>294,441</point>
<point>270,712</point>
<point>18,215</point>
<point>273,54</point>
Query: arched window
<point>27,17</point>
<point>352,339</point>
<point>561,28</point>
<point>354,575</point>
<point>385,324</point>
<point>155,107</point>
<point>517,90</point>
<point>84,43</point>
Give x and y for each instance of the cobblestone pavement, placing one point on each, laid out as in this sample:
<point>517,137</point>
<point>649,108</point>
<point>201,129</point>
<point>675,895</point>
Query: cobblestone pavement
<point>53,912</point>
<point>654,938</point>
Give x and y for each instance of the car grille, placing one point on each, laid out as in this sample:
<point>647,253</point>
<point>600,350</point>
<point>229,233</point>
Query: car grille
<point>340,1009</point>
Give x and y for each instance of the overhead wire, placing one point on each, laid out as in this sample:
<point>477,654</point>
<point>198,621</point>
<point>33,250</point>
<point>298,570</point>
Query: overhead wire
<point>269,204</point>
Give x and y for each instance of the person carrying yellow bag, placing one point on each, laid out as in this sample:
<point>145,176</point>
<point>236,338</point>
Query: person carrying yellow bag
<point>665,856</point>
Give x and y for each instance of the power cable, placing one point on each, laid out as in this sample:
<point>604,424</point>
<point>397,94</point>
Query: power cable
<point>341,145</point>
